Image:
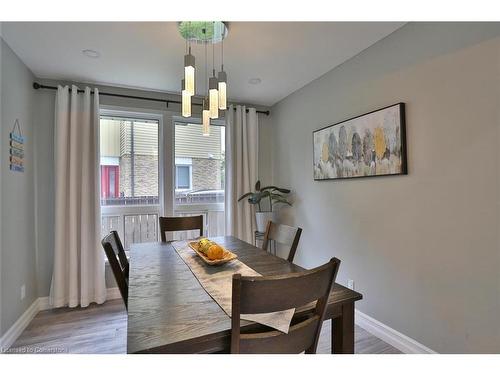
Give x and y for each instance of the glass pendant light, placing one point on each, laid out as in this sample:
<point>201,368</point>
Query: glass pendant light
<point>186,101</point>
<point>222,77</point>
<point>205,113</point>
<point>213,95</point>
<point>189,72</point>
<point>213,90</point>
<point>206,118</point>
<point>222,89</point>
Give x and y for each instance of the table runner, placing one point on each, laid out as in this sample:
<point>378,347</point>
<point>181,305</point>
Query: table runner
<point>217,282</point>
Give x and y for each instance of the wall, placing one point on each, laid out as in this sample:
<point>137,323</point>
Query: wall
<point>423,248</point>
<point>18,256</point>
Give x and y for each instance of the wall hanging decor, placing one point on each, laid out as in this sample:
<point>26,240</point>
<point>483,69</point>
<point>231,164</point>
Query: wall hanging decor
<point>373,144</point>
<point>16,148</point>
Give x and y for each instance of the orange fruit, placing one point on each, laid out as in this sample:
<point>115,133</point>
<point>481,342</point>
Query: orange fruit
<point>215,252</point>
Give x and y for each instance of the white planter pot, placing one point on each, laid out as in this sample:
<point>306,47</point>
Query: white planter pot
<point>262,218</point>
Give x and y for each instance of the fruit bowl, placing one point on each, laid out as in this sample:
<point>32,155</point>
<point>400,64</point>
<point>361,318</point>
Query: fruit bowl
<point>226,257</point>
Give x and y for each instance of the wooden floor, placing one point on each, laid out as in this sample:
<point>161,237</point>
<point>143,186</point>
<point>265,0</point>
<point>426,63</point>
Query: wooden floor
<point>103,329</point>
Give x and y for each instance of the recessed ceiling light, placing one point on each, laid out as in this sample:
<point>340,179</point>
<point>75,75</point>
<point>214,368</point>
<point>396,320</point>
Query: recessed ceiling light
<point>254,81</point>
<point>91,53</point>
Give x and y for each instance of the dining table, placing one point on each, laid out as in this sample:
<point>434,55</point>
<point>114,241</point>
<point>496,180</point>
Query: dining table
<point>169,312</point>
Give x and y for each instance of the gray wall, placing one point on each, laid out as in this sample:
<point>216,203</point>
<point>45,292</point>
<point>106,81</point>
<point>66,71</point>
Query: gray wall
<point>423,248</point>
<point>18,256</point>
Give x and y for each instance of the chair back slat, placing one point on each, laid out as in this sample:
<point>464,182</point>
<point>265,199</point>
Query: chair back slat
<point>282,234</point>
<point>277,293</point>
<point>180,223</point>
<point>118,261</point>
<point>256,295</point>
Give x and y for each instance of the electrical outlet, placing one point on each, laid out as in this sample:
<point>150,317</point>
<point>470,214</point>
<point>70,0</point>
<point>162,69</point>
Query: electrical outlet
<point>350,284</point>
<point>23,291</point>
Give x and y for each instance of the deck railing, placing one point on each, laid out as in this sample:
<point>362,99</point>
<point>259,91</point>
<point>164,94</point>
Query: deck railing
<point>139,223</point>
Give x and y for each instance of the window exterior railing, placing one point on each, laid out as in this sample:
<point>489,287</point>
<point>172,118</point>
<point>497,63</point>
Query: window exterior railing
<point>139,223</point>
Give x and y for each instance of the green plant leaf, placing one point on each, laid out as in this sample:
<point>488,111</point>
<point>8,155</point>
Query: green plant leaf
<point>281,190</point>
<point>265,194</point>
<point>282,200</point>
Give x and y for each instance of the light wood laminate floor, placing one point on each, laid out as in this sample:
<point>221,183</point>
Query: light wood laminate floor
<point>103,329</point>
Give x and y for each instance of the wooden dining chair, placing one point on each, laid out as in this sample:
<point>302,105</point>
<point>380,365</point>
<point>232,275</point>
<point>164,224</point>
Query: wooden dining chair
<point>118,261</point>
<point>256,295</point>
<point>174,224</point>
<point>282,234</point>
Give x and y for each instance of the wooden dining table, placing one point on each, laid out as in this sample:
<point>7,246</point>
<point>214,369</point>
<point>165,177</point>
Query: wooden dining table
<point>170,312</point>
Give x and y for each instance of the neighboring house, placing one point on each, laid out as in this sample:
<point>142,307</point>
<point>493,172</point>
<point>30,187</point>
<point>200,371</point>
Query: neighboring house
<point>197,158</point>
<point>129,159</point>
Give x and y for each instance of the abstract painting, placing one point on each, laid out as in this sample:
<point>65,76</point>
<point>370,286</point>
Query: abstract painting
<point>372,144</point>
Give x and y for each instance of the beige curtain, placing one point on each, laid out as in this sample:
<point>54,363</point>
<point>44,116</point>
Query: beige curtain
<point>78,276</point>
<point>242,150</point>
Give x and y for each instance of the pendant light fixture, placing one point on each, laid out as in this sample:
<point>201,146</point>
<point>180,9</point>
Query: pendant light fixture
<point>215,95</point>
<point>205,113</point>
<point>186,100</point>
<point>206,118</point>
<point>189,69</point>
<point>222,85</point>
<point>213,89</point>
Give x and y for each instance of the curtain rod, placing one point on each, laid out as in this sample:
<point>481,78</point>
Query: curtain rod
<point>38,86</point>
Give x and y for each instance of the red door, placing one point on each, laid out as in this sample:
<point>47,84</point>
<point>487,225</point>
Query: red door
<point>110,177</point>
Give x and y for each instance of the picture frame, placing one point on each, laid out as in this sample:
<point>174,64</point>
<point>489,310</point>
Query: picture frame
<point>369,145</point>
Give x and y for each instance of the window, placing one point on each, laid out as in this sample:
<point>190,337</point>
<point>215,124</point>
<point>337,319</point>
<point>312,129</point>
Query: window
<point>199,174</point>
<point>183,177</point>
<point>129,161</point>
<point>130,183</point>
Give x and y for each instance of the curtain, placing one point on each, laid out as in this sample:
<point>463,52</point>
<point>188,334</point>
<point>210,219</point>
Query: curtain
<point>242,150</point>
<point>78,276</point>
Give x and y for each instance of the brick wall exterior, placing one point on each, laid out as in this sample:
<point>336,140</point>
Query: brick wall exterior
<point>146,175</point>
<point>206,174</point>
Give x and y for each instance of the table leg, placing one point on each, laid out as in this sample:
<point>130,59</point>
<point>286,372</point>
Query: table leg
<point>343,331</point>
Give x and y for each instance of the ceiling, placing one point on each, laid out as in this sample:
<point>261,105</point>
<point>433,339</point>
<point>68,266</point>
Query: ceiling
<point>149,55</point>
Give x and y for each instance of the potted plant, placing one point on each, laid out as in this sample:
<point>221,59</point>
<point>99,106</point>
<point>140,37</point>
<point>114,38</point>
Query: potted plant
<point>274,194</point>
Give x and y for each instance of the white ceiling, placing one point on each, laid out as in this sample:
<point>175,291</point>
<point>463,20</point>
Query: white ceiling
<point>149,55</point>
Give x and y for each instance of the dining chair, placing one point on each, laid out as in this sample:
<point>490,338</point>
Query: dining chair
<point>118,261</point>
<point>174,224</point>
<point>282,234</point>
<point>265,294</point>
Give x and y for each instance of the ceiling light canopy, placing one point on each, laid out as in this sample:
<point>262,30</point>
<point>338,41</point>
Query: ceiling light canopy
<point>214,89</point>
<point>203,32</point>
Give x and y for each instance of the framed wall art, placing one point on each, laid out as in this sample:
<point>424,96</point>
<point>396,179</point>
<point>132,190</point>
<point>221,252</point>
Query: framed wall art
<point>369,145</point>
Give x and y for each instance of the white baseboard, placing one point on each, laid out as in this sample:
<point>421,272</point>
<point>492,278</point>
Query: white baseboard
<point>391,336</point>
<point>40,304</point>
<point>43,304</point>
<point>113,293</point>
<point>18,327</point>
